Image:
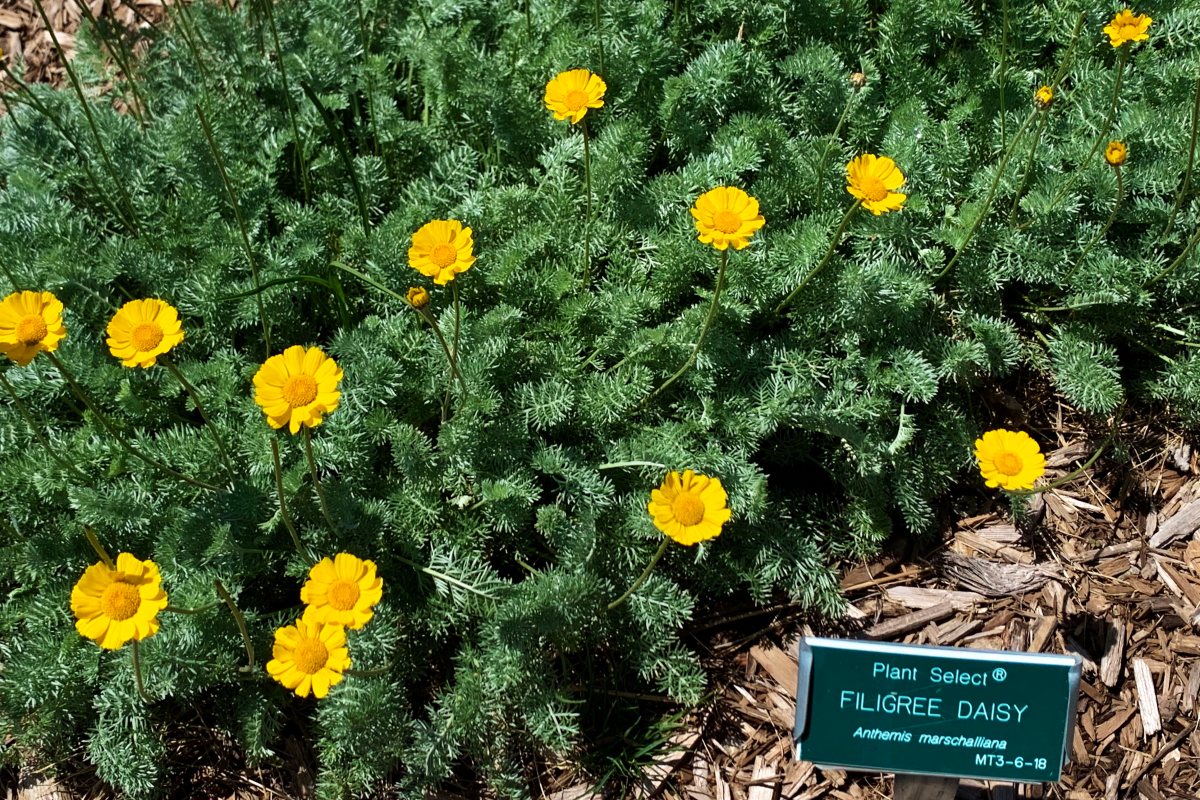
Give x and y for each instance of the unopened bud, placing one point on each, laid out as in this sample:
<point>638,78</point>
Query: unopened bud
<point>858,80</point>
<point>417,297</point>
<point>1043,98</point>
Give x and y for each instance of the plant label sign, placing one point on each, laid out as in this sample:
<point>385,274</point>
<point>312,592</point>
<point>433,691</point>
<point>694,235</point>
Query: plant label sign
<point>919,709</point>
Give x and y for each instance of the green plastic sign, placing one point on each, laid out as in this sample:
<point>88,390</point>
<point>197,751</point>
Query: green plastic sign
<point>927,710</point>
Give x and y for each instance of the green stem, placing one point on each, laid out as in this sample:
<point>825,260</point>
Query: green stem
<point>1111,218</point>
<point>287,518</point>
<point>238,618</point>
<point>1100,140</point>
<point>1003,64</point>
<point>433,573</point>
<point>1037,138</point>
<point>104,420</point>
<point>837,237</point>
<point>1187,175</point>
<point>587,220</point>
<point>451,354</point>
<point>200,610</point>
<point>829,149</point>
<point>662,548</point>
<point>117,51</point>
<point>94,541</point>
<point>312,470</point>
<point>87,112</point>
<point>528,20</point>
<point>708,321</point>
<point>237,213</point>
<point>302,164</point>
<point>370,673</point>
<point>1073,475</point>
<point>37,431</point>
<point>137,674</point>
<point>987,204</point>
<point>366,46</point>
<point>1175,264</point>
<point>343,148</point>
<point>191,390</point>
<point>600,36</point>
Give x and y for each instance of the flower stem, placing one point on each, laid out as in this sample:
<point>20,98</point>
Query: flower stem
<point>829,149</point>
<point>1003,64</point>
<point>99,548</point>
<point>712,315</point>
<point>587,219</point>
<point>1187,175</point>
<point>837,237</point>
<point>104,420</point>
<point>1175,264</point>
<point>238,618</point>
<point>131,221</point>
<point>987,203</point>
<point>370,673</point>
<point>191,390</point>
<point>1112,112</point>
<point>302,166</point>
<point>137,674</point>
<point>1111,218</point>
<point>312,470</point>
<point>1037,138</point>
<point>1067,478</point>
<point>237,213</point>
<point>287,518</point>
<point>662,548</point>
<point>600,36</point>
<point>200,610</point>
<point>37,431</point>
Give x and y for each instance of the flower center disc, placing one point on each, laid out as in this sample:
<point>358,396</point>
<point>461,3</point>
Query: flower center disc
<point>300,390</point>
<point>727,221</point>
<point>874,189</point>
<point>310,656</point>
<point>688,508</point>
<point>147,336</point>
<point>343,595</point>
<point>1009,463</point>
<point>31,330</point>
<point>120,601</point>
<point>444,255</point>
<point>576,100</point>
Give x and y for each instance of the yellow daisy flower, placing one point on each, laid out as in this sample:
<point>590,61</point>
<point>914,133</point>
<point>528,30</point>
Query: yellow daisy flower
<point>441,249</point>
<point>1115,153</point>
<point>342,591</point>
<point>726,216</point>
<point>873,180</point>
<point>30,322</point>
<point>296,387</point>
<point>112,606</point>
<point>1043,97</point>
<point>1125,27</point>
<point>309,657</point>
<point>689,508</point>
<point>1010,460</point>
<point>142,330</point>
<point>572,93</point>
<point>417,297</point>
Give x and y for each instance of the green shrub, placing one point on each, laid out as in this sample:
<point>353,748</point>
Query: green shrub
<point>505,518</point>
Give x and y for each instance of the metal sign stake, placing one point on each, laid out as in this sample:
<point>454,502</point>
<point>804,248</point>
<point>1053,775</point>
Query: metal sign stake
<point>925,787</point>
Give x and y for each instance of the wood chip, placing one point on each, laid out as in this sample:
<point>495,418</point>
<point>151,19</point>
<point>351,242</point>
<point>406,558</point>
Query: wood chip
<point>909,622</point>
<point>779,665</point>
<point>918,597</point>
<point>996,580</point>
<point>1184,523</point>
<point>1113,660</point>
<point>1147,698</point>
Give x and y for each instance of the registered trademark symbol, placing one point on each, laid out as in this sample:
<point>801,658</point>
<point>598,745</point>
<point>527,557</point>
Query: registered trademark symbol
<point>999,675</point>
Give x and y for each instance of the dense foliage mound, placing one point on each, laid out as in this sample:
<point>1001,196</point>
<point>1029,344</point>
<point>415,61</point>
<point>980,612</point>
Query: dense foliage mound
<point>267,184</point>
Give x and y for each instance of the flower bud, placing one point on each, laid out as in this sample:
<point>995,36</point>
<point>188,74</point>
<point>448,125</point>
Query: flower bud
<point>417,297</point>
<point>858,80</point>
<point>1043,98</point>
<point>1115,153</point>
